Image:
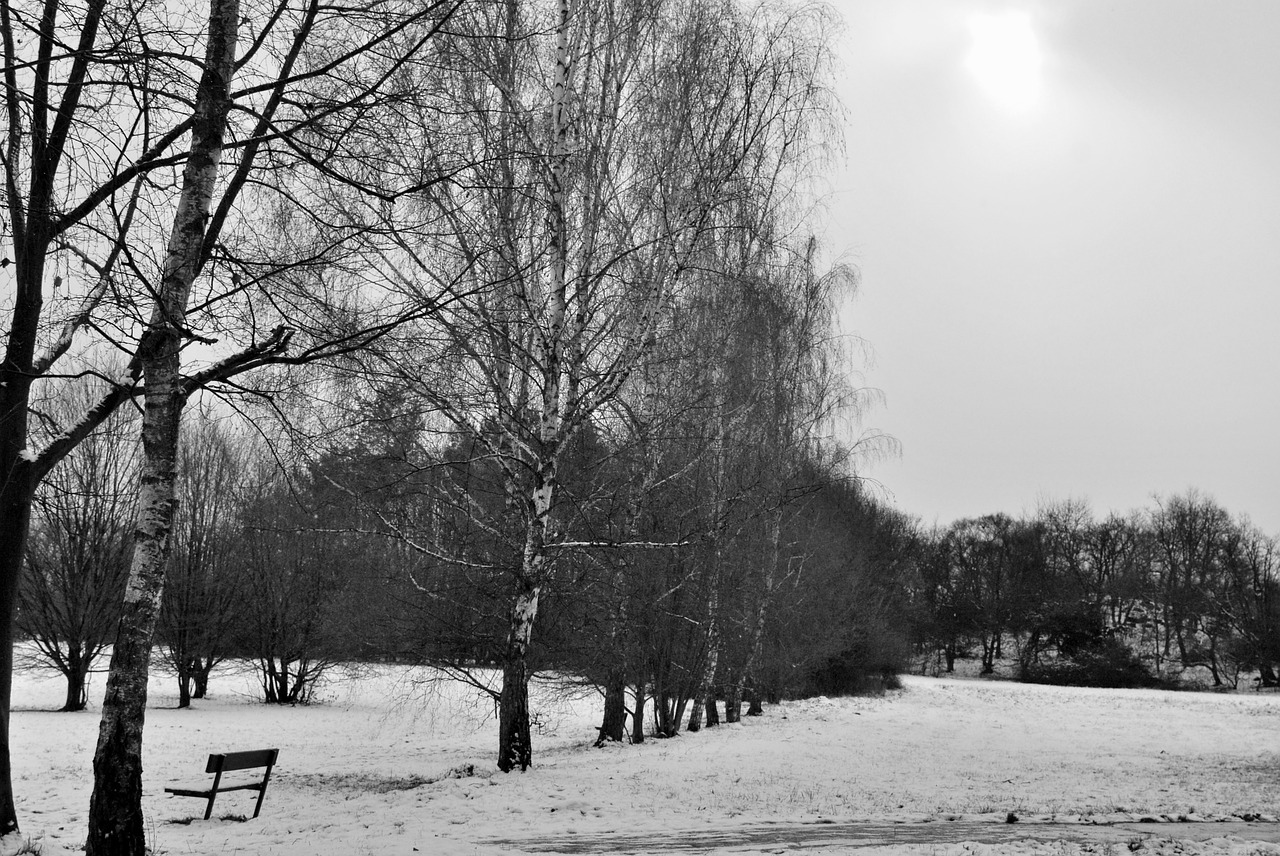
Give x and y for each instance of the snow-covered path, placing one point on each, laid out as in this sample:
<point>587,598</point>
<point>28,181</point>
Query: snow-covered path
<point>832,836</point>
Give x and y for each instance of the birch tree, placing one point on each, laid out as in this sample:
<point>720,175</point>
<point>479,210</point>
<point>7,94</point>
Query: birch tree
<point>604,146</point>
<point>102,102</point>
<point>115,808</point>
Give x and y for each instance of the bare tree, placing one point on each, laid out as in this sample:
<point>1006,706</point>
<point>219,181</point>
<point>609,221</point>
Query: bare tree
<point>204,590</point>
<point>603,150</point>
<point>115,808</point>
<point>1250,603</point>
<point>301,575</point>
<point>78,554</point>
<point>1190,534</point>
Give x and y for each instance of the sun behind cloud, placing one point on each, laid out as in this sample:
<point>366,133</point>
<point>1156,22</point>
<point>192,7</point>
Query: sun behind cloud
<point>1004,57</point>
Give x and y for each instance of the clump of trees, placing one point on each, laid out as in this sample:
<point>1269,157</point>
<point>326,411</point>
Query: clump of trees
<point>1165,594</point>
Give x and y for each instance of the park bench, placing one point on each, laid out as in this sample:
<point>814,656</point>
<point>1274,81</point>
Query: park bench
<point>226,762</point>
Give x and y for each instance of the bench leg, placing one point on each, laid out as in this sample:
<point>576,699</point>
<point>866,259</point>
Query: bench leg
<point>213,794</point>
<point>262,791</point>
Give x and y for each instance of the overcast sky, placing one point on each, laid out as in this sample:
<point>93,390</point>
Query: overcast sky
<point>1067,219</point>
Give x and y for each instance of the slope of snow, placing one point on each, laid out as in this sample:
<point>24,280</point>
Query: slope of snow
<point>384,766</point>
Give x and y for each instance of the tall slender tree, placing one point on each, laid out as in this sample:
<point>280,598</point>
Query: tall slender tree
<point>101,101</point>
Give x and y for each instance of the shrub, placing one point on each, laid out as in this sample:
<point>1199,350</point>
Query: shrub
<point>1103,662</point>
<point>869,664</point>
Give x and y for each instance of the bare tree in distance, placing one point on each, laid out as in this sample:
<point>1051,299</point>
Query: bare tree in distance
<point>78,555</point>
<point>204,589</point>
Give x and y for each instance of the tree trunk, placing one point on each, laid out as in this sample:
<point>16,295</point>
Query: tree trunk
<point>733,702</point>
<point>77,676</point>
<point>17,490</point>
<point>115,808</point>
<point>754,708</point>
<point>200,677</point>
<point>712,640</point>
<point>707,682</point>
<point>31,225</point>
<point>637,717</point>
<point>515,747</point>
<point>699,696</point>
<point>1213,660</point>
<point>184,681</point>
<point>614,725</point>
<point>14,516</point>
<point>713,709</point>
<point>767,582</point>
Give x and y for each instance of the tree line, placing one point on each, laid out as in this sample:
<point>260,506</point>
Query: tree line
<point>1181,592</point>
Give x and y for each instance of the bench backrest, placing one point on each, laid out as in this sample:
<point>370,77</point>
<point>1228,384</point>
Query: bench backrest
<point>226,761</point>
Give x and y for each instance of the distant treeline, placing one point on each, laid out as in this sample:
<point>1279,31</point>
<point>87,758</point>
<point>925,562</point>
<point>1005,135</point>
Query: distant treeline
<point>1179,593</point>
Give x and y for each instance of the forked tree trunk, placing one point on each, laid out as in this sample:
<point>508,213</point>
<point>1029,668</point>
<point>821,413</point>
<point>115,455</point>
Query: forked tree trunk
<point>200,677</point>
<point>116,826</point>
<point>187,667</point>
<point>77,677</point>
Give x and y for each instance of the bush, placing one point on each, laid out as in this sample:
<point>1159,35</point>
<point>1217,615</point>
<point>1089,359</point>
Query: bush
<point>1104,662</point>
<point>869,664</point>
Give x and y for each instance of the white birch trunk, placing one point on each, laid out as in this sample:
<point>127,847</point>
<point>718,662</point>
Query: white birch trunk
<point>514,742</point>
<point>706,684</point>
<point>116,826</point>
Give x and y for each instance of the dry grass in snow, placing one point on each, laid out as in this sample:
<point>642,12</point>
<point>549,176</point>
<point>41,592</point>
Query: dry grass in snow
<point>368,771</point>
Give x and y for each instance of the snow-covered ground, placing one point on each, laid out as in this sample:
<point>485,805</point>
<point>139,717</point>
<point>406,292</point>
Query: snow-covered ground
<point>380,767</point>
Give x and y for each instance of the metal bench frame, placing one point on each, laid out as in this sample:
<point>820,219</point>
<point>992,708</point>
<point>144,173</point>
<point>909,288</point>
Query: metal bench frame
<point>226,762</point>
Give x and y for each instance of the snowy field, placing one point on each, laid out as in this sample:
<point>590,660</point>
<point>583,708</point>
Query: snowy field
<point>381,767</point>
